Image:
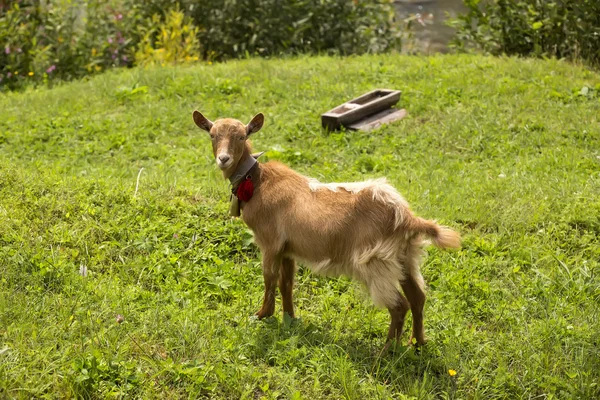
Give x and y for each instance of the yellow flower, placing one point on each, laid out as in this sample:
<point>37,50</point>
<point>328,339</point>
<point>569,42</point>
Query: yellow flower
<point>94,51</point>
<point>451,372</point>
<point>210,63</point>
<point>16,72</point>
<point>30,73</point>
<point>195,58</point>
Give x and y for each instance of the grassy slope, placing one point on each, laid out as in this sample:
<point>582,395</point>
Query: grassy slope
<point>505,150</point>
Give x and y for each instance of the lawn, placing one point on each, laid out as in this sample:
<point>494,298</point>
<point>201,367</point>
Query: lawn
<point>121,274</point>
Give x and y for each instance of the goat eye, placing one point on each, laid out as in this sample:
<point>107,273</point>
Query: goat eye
<point>242,137</point>
<point>212,137</point>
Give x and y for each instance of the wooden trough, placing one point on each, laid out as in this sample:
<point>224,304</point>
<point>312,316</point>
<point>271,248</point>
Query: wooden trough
<point>366,112</point>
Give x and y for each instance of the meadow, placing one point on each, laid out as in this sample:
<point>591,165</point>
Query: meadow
<point>122,275</point>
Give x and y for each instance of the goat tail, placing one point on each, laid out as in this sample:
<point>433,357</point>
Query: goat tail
<point>441,236</point>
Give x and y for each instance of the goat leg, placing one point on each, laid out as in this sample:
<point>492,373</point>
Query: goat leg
<point>416,297</point>
<point>397,313</point>
<point>271,266</point>
<point>286,285</point>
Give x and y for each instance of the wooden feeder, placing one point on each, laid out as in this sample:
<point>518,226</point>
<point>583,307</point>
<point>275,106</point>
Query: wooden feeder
<point>366,112</point>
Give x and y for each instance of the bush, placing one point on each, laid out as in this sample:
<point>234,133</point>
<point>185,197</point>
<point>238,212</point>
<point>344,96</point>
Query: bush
<point>557,28</point>
<point>63,39</point>
<point>236,28</point>
<point>170,41</point>
<point>66,39</point>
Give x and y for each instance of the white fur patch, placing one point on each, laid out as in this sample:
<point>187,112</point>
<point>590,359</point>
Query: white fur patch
<point>380,267</point>
<point>386,250</point>
<point>382,192</point>
<point>321,267</point>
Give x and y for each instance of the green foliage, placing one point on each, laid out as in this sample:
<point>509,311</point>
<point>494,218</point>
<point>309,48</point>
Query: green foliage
<point>505,150</point>
<point>170,41</point>
<point>63,39</point>
<point>558,28</point>
<point>268,27</point>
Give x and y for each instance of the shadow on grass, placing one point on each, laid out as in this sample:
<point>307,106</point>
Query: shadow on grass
<point>296,343</point>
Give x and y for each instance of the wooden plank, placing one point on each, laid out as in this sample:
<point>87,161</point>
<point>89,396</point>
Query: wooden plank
<point>381,118</point>
<point>356,109</point>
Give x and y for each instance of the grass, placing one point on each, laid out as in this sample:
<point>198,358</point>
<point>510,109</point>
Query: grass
<point>507,151</point>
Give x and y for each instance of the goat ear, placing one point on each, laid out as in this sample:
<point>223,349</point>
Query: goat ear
<point>255,124</point>
<point>202,121</point>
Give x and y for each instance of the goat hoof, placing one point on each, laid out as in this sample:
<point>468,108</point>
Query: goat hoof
<point>390,346</point>
<point>288,315</point>
<point>417,343</point>
<point>386,348</point>
<point>262,315</point>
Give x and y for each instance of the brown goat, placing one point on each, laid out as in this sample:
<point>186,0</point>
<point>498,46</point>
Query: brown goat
<point>364,230</point>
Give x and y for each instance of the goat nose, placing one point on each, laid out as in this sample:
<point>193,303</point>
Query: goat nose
<point>223,158</point>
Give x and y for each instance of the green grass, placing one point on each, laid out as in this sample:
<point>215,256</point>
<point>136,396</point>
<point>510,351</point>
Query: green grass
<point>507,151</point>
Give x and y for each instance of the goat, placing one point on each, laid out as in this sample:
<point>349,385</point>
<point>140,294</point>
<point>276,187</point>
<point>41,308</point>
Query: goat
<point>364,230</point>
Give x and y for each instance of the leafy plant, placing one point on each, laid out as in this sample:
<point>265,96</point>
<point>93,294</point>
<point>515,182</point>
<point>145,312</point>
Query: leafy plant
<point>92,373</point>
<point>173,39</point>
<point>557,28</point>
<point>270,27</point>
<point>63,39</point>
<point>44,40</point>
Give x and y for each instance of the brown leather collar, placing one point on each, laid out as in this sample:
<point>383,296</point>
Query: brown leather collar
<point>247,170</point>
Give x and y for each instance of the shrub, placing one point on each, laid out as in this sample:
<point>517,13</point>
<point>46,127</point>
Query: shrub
<point>558,28</point>
<point>63,39</point>
<point>170,41</point>
<point>235,28</point>
<point>41,40</point>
